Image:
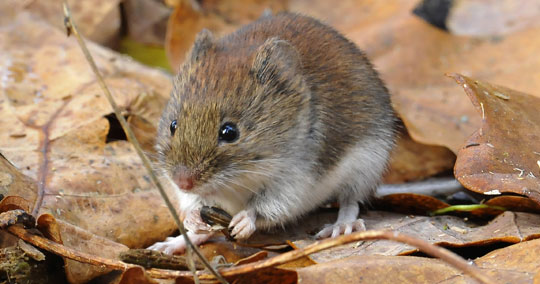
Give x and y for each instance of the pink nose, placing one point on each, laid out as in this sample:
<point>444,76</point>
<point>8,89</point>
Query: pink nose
<point>183,178</point>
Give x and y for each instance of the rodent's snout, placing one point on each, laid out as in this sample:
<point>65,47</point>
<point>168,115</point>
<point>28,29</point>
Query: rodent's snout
<point>184,177</point>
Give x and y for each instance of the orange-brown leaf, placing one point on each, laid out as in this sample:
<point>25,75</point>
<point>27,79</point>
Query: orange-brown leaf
<point>504,154</point>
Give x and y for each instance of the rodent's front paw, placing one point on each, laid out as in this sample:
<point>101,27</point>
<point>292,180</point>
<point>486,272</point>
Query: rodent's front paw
<point>195,224</point>
<point>243,224</point>
<point>177,245</point>
<point>334,230</point>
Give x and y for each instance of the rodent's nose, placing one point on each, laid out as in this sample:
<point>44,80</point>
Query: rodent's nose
<point>185,183</point>
<point>183,178</point>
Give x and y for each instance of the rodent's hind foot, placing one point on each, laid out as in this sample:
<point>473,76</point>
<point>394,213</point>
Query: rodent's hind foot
<point>334,230</point>
<point>177,245</point>
<point>243,224</point>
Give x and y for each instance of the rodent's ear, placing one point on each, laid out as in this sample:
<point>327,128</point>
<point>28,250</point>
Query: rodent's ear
<point>203,42</point>
<point>276,59</point>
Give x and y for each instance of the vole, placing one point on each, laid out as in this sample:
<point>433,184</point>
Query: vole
<point>272,121</point>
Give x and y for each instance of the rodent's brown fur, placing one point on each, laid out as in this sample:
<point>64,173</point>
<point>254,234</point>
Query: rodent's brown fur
<point>336,69</point>
<point>295,87</point>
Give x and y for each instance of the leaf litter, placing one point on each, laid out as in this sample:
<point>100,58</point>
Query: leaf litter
<point>84,191</point>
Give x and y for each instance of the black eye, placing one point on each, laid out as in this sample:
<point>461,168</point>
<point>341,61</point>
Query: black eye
<point>228,132</point>
<point>173,127</point>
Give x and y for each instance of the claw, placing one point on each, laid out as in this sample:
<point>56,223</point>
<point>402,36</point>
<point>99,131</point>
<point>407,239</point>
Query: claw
<point>334,230</point>
<point>243,224</point>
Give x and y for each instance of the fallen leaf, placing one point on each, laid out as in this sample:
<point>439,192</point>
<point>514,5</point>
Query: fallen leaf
<point>49,94</point>
<point>411,160</point>
<point>220,246</point>
<point>502,155</point>
<point>448,231</point>
<point>13,183</point>
<point>408,203</point>
<point>98,20</point>
<point>378,269</point>
<point>513,264</point>
<point>136,275</point>
<point>83,241</point>
<point>492,17</point>
<point>515,203</point>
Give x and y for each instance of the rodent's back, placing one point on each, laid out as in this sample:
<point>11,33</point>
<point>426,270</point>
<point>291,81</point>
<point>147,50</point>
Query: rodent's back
<point>348,98</point>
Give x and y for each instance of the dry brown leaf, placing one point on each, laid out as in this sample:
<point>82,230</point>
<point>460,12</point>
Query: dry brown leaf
<point>98,20</point>
<point>514,264</point>
<point>219,245</point>
<point>136,275</point>
<point>492,17</point>
<point>515,203</point>
<point>13,183</point>
<point>409,203</point>
<point>504,154</point>
<point>378,269</point>
<point>83,241</point>
<point>411,160</point>
<point>54,130</point>
<point>449,231</point>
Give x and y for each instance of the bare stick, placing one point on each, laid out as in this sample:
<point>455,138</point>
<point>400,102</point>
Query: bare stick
<point>72,28</point>
<point>67,252</point>
<point>430,249</point>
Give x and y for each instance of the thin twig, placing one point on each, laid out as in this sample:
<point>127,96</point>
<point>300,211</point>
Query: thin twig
<point>430,249</point>
<point>72,28</point>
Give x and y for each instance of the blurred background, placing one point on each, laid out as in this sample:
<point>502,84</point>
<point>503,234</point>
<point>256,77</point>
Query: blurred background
<point>412,43</point>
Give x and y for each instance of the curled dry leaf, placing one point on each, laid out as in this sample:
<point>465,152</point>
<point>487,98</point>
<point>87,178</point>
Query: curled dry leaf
<point>83,241</point>
<point>409,203</point>
<point>12,183</point>
<point>136,275</point>
<point>502,156</point>
<point>515,203</point>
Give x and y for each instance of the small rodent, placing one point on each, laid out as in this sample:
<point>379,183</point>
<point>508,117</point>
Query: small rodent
<point>272,121</point>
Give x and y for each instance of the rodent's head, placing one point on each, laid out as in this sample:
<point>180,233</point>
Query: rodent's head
<point>235,115</point>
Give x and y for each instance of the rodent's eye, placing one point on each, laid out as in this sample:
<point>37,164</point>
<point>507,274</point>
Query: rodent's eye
<point>173,127</point>
<point>228,132</point>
